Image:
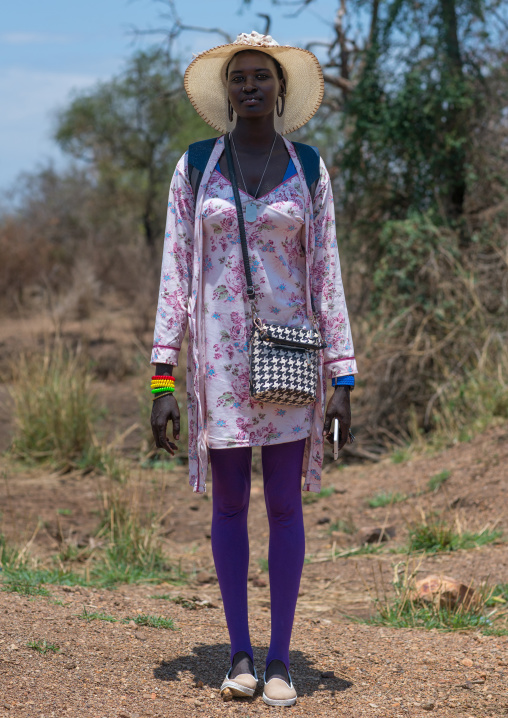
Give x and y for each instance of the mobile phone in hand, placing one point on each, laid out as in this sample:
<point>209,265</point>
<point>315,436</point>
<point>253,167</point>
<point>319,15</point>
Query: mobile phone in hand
<point>336,438</point>
<point>336,435</point>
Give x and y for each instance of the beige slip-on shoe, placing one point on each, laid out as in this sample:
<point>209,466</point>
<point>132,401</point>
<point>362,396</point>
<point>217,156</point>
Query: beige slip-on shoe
<point>278,693</point>
<point>241,686</point>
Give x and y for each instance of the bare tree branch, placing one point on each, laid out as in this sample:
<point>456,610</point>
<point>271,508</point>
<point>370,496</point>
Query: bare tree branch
<point>268,22</point>
<point>373,21</point>
<point>338,81</point>
<point>228,38</point>
<point>176,26</point>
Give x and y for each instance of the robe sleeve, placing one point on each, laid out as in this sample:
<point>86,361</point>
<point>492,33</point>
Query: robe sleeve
<point>172,309</point>
<point>326,285</point>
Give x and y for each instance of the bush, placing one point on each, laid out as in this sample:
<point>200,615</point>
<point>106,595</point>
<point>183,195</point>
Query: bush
<point>436,335</point>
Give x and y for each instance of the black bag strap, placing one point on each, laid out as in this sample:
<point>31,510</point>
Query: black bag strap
<point>241,225</point>
<point>199,153</point>
<point>251,294</point>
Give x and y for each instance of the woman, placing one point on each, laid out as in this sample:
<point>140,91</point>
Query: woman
<point>257,91</point>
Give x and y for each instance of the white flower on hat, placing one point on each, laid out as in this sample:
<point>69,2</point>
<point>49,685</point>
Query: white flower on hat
<point>255,38</point>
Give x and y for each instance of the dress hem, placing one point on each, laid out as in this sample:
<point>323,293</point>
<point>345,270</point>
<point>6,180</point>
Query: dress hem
<point>272,442</point>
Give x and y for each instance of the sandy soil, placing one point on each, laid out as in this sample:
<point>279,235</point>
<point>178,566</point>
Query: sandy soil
<point>340,667</point>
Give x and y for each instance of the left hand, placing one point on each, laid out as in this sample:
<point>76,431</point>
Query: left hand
<point>339,406</point>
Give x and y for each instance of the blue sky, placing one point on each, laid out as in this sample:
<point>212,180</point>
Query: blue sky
<point>50,48</point>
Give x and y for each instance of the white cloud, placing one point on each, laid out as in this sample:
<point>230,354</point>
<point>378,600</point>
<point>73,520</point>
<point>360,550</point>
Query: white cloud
<point>33,38</point>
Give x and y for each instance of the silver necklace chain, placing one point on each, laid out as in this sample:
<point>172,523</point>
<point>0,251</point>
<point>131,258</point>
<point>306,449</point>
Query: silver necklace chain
<point>266,166</point>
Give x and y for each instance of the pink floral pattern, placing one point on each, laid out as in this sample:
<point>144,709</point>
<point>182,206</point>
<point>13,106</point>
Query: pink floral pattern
<point>293,255</point>
<point>279,276</point>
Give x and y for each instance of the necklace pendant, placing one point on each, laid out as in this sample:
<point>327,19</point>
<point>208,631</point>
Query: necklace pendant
<point>251,211</point>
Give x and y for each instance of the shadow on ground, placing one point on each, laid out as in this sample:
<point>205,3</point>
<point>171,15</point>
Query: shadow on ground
<point>209,664</point>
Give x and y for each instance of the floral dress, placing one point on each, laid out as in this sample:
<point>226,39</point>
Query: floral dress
<point>277,260</point>
<point>295,264</point>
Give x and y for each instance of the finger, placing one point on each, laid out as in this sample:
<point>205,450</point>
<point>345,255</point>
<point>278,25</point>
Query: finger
<point>176,428</point>
<point>344,434</point>
<point>159,433</point>
<point>328,422</point>
<point>162,438</point>
<point>169,447</point>
<point>155,435</point>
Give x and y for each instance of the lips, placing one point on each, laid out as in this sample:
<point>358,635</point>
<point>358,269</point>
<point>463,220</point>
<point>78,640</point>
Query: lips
<point>251,101</point>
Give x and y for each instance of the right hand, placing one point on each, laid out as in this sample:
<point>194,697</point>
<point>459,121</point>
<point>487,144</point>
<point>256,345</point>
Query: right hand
<point>163,410</point>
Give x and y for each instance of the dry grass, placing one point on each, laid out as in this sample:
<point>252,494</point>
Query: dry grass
<point>54,408</point>
<point>436,344</point>
<point>127,546</point>
<point>399,606</point>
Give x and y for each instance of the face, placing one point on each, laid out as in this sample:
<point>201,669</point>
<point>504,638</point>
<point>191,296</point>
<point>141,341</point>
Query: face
<point>253,84</point>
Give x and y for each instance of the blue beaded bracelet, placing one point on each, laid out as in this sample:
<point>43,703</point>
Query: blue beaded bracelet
<point>348,380</point>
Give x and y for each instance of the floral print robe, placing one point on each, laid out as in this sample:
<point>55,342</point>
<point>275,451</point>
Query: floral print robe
<point>304,243</point>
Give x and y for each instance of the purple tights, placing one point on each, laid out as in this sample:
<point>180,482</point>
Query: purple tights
<point>282,475</point>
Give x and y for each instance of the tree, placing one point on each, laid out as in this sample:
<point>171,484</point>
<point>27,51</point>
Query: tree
<point>131,130</point>
<point>405,75</point>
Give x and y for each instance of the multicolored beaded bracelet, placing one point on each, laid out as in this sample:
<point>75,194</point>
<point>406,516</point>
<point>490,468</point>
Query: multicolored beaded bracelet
<point>162,385</point>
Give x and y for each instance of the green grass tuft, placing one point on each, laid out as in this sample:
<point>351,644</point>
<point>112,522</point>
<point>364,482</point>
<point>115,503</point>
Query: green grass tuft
<point>24,588</point>
<point>101,573</point>
<point>403,609</point>
<point>386,498</point>
<point>495,631</point>
<point>8,554</point>
<point>498,595</point>
<point>436,481</point>
<point>310,497</point>
<point>263,564</point>
<point>347,526</point>
<point>401,454</point>
<point>403,614</point>
<point>96,616</point>
<point>152,621</point>
<point>437,536</point>
<point>43,647</point>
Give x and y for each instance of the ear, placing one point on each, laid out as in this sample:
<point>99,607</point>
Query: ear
<point>282,87</point>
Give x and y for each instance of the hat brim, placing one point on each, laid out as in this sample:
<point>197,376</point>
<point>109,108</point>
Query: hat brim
<point>205,84</point>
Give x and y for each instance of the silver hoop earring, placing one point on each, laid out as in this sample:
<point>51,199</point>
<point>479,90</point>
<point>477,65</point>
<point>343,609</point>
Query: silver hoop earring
<point>280,111</point>
<point>230,111</point>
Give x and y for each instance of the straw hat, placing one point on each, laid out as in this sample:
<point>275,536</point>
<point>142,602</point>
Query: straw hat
<point>206,85</point>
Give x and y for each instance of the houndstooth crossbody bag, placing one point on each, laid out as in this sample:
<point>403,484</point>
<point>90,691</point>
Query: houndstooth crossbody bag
<point>284,361</point>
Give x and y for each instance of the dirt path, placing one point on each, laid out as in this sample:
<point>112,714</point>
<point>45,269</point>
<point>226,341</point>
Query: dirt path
<point>112,668</point>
